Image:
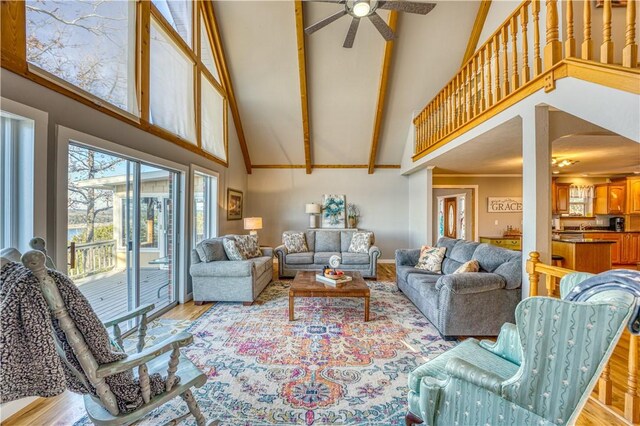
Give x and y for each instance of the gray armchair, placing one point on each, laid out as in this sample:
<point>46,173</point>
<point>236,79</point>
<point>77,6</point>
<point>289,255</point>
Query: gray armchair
<point>467,304</point>
<point>222,280</point>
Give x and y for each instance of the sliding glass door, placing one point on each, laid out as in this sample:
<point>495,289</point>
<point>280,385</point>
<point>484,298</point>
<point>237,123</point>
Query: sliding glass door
<point>121,231</point>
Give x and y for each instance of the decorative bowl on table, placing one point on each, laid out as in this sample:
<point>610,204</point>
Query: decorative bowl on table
<point>334,275</point>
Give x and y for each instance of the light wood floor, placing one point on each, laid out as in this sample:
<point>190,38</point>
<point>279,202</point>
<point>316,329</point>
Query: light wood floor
<point>67,408</point>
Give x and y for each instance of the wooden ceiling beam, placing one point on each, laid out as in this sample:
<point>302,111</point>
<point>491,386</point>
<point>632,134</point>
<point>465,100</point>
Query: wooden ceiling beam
<point>218,51</point>
<point>478,25</point>
<point>302,69</point>
<point>382,92</point>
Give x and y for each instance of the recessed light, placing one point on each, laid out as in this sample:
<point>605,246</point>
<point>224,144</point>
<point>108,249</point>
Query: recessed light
<point>555,172</point>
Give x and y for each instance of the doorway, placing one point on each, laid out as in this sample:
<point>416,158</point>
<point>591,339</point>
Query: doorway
<point>450,217</point>
<point>121,230</point>
<point>454,212</point>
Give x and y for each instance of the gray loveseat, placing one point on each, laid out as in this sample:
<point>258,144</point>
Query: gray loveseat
<point>467,304</point>
<point>224,280</point>
<point>323,244</point>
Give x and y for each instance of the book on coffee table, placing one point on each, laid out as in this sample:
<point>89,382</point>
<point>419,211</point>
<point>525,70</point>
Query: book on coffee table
<point>331,281</point>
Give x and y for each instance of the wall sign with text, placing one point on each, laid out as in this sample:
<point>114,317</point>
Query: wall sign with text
<point>504,204</point>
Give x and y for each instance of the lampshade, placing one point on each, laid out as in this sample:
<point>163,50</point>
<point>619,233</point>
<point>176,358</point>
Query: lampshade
<point>252,223</point>
<point>312,208</point>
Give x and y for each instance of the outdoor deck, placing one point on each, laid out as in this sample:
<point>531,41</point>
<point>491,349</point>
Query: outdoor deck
<point>108,295</point>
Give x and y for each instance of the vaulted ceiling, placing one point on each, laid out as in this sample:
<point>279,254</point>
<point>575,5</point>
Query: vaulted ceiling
<point>260,43</point>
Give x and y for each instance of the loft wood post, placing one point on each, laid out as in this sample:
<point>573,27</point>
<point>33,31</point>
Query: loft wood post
<point>449,107</point>
<point>570,42</point>
<point>631,398</point>
<point>526,71</point>
<point>605,387</point>
<point>537,59</point>
<point>534,277</point>
<point>464,95</point>
<point>477,84</point>
<point>587,44</point>
<point>489,64</point>
<point>459,84</point>
<point>496,44</point>
<point>505,61</point>
<point>553,47</point>
<point>473,86</point>
<point>515,77</point>
<point>606,50</point>
<point>483,94</point>
<point>630,51</point>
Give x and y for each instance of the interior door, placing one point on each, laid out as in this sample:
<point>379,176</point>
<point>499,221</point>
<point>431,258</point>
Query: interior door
<point>450,217</point>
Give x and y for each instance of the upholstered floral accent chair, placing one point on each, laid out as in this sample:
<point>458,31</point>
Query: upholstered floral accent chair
<point>538,372</point>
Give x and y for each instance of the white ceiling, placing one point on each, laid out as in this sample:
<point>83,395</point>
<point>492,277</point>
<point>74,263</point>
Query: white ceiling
<point>260,43</point>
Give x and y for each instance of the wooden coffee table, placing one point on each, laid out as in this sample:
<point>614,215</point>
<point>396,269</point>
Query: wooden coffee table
<point>305,285</point>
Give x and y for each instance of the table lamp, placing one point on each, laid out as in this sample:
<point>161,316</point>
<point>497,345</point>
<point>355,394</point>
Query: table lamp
<point>252,224</point>
<point>313,209</point>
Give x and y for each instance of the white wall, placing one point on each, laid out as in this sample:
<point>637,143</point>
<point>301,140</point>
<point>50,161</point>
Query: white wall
<point>418,208</point>
<point>279,196</point>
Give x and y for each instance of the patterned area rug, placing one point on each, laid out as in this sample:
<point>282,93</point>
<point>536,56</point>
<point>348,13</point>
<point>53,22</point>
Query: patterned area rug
<point>327,367</point>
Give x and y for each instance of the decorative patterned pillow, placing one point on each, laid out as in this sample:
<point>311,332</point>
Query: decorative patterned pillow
<point>360,242</point>
<point>431,258</point>
<point>470,266</point>
<point>232,250</point>
<point>295,242</point>
<point>248,245</point>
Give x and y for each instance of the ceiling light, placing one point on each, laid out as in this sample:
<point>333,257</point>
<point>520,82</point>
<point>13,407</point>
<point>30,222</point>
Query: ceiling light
<point>361,8</point>
<point>555,172</point>
<point>562,163</point>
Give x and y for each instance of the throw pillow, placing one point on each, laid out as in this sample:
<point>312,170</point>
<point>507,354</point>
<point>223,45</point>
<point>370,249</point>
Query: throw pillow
<point>470,266</point>
<point>211,250</point>
<point>232,249</point>
<point>431,259</point>
<point>248,245</point>
<point>295,242</point>
<point>360,242</point>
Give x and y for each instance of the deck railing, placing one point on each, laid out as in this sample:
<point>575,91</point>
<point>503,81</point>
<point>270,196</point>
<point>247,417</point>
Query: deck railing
<point>93,258</point>
<point>630,410</point>
<point>514,58</point>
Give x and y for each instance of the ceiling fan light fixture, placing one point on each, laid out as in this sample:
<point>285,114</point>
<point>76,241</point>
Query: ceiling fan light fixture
<point>361,8</point>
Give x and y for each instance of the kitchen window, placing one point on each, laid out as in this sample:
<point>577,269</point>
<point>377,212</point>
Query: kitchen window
<point>581,200</point>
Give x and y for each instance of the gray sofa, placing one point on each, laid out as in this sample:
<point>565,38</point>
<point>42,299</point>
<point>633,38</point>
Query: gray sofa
<point>224,280</point>
<point>323,244</point>
<point>467,304</point>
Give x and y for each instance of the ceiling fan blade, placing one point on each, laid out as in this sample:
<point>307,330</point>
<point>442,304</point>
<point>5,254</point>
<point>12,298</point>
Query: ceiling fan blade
<point>382,26</point>
<point>351,34</point>
<point>407,6</point>
<point>323,23</point>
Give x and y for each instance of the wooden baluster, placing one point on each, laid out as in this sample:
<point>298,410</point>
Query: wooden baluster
<point>537,60</point>
<point>631,398</point>
<point>606,50</point>
<point>483,95</point>
<point>438,116</point>
<point>464,95</point>
<point>459,96</point>
<point>587,44</point>
<point>496,68</point>
<point>473,87</point>
<point>145,384</point>
<point>553,48</point>
<point>526,70</point>
<point>431,126</point>
<point>534,277</point>
<point>449,109</point>
<point>505,61</point>
<point>477,84</point>
<point>423,127</point>
<point>630,51</point>
<point>515,78</point>
<point>570,42</point>
<point>469,91</point>
<point>605,385</point>
<point>173,367</point>
<point>489,61</point>
<point>117,335</point>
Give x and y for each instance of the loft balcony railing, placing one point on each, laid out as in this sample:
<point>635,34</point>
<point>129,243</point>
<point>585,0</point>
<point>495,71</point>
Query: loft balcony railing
<point>618,385</point>
<point>93,258</point>
<point>514,63</point>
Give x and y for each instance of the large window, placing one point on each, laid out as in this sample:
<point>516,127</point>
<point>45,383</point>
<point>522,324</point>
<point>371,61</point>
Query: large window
<point>171,86</point>
<point>90,44</point>
<point>16,186</point>
<point>213,130</point>
<point>178,14</point>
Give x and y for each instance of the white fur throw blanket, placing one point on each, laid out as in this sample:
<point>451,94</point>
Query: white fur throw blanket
<point>30,364</point>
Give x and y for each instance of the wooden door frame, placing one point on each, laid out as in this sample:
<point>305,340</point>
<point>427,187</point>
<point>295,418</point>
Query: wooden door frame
<point>474,196</point>
<point>447,201</point>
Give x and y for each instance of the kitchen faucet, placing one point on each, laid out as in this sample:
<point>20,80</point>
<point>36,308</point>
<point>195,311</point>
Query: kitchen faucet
<point>583,226</point>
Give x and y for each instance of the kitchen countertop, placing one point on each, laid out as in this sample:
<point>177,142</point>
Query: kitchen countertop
<point>583,241</point>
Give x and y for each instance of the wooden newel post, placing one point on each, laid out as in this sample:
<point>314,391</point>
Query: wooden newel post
<point>553,48</point>
<point>534,277</point>
<point>630,51</point>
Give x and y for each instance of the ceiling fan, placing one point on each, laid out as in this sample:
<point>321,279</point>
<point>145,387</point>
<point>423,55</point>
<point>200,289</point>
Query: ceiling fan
<point>367,8</point>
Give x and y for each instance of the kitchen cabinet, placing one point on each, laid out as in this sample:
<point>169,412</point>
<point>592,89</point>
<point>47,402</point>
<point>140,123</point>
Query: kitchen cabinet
<point>633,196</point>
<point>600,202</point>
<point>616,247</point>
<point>560,198</point>
<point>625,250</point>
<point>616,197</point>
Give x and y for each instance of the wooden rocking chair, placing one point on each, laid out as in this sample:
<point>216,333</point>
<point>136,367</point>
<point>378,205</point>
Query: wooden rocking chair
<point>164,356</point>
